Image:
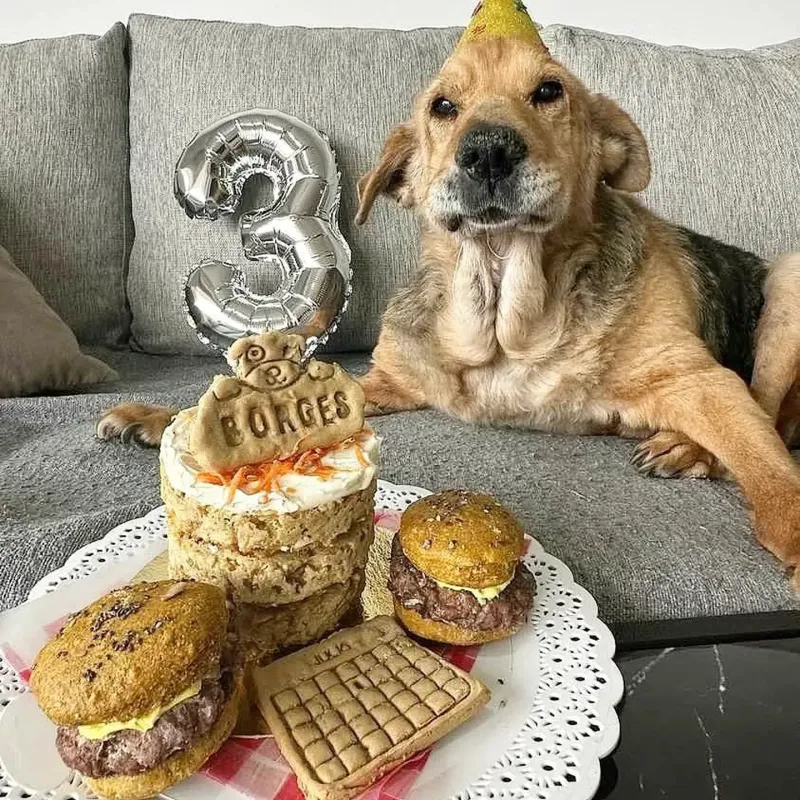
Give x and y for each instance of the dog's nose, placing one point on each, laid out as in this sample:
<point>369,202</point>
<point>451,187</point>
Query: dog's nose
<point>489,153</point>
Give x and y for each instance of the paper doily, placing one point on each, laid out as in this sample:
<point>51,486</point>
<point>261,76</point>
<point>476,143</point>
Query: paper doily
<point>571,725</point>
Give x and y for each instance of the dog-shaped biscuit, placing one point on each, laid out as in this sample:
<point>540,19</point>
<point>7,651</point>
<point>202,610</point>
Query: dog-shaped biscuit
<point>275,406</point>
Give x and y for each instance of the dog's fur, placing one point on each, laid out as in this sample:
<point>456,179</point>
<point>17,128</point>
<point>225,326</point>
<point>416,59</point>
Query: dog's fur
<point>564,305</point>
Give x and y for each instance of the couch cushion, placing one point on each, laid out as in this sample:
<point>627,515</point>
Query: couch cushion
<point>647,549</point>
<point>721,125</point>
<point>64,198</point>
<point>38,352</point>
<point>355,85</point>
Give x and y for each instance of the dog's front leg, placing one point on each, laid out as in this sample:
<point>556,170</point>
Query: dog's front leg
<point>713,407</point>
<point>466,328</point>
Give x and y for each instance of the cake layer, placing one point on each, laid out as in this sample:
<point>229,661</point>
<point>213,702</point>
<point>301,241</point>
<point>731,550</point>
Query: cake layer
<point>284,577</point>
<point>269,629</point>
<point>353,465</point>
<point>260,532</point>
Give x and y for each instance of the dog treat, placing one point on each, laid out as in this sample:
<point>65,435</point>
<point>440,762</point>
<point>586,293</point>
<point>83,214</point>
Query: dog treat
<point>348,710</point>
<point>270,629</point>
<point>272,579</point>
<point>275,406</point>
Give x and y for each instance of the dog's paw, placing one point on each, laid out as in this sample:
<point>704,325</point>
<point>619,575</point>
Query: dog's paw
<point>135,423</point>
<point>374,410</point>
<point>672,455</point>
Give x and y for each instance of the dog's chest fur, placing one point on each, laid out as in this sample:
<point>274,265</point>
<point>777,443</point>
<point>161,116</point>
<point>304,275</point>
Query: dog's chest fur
<point>555,395</point>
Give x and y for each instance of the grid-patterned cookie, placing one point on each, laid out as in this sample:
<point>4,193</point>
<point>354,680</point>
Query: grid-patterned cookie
<point>351,708</point>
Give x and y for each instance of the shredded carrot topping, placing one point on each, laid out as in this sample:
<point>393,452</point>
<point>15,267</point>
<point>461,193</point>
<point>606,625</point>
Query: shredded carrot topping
<point>265,477</point>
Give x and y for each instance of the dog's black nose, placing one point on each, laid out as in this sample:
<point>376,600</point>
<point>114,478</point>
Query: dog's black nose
<point>489,153</point>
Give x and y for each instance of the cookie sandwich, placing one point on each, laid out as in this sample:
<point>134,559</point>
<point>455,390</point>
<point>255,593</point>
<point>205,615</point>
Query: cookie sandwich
<point>455,571</point>
<point>142,686</point>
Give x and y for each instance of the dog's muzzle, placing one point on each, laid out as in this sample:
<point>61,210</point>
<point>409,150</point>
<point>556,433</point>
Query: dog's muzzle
<point>490,153</point>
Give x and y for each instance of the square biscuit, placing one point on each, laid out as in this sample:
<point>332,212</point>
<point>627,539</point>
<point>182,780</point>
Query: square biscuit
<point>287,700</point>
<point>297,716</point>
<point>419,715</point>
<point>396,662</point>
<point>377,742</point>
<point>326,680</point>
<point>424,688</point>
<point>358,684</point>
<point>318,753</point>
<point>338,694</point>
<point>379,674</point>
<point>341,738</point>
<point>330,721</point>
<point>343,715</point>
<point>427,665</point>
<point>363,725</point>
<point>352,709</point>
<point>442,675</point>
<point>386,711</point>
<point>304,735</point>
<point>306,690</point>
<point>391,688</point>
<point>347,671</point>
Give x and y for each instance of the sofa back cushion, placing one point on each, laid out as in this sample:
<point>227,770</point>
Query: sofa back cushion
<point>720,125</point>
<point>64,200</point>
<point>354,85</point>
<point>723,127</point>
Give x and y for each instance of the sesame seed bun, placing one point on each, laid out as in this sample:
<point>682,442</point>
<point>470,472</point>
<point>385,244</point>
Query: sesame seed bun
<point>447,632</point>
<point>178,767</point>
<point>462,538</point>
<point>153,639</point>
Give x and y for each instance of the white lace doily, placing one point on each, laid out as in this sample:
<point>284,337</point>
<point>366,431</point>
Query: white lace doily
<point>571,725</point>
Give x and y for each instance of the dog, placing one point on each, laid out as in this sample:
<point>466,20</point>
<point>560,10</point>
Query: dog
<point>548,297</point>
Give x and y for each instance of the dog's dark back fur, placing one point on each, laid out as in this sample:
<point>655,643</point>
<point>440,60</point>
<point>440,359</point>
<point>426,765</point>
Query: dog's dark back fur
<point>730,284</point>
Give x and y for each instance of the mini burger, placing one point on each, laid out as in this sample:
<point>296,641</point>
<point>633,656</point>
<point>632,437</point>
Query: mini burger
<point>455,571</point>
<point>141,687</point>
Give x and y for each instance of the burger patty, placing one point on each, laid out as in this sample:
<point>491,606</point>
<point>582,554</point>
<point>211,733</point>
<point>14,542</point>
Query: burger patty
<point>415,590</point>
<point>130,752</point>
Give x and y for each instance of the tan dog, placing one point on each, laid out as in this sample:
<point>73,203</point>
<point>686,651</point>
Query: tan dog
<point>548,298</point>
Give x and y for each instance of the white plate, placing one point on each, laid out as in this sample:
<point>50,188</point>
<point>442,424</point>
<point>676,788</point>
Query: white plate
<point>554,685</point>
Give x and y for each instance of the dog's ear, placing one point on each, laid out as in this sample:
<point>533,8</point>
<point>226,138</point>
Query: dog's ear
<point>294,348</point>
<point>239,348</point>
<point>624,159</point>
<point>390,175</point>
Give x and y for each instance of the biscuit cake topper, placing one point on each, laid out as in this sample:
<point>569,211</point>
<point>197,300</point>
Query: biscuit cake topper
<point>275,406</point>
<point>499,18</point>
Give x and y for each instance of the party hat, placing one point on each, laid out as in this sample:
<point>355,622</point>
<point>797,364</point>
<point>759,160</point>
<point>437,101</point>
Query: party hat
<point>497,18</point>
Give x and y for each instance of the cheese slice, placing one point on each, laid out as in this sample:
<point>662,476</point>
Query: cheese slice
<point>142,724</point>
<point>483,595</point>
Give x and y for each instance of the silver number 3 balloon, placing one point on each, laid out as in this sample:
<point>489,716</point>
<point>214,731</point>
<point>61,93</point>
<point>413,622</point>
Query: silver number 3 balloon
<point>298,233</point>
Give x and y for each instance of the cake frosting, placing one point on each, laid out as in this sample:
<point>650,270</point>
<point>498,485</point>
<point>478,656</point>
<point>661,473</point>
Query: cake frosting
<point>354,465</point>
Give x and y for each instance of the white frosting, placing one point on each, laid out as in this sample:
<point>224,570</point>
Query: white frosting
<point>297,492</point>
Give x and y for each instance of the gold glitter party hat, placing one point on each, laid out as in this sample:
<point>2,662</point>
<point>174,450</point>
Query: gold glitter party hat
<point>498,18</point>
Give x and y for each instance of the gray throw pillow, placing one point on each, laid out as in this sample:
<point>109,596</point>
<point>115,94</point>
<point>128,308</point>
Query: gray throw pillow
<point>38,352</point>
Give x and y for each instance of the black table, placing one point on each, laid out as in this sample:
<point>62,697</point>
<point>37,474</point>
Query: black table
<point>711,711</point>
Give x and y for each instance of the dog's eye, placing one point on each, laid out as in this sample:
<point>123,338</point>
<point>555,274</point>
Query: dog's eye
<point>442,107</point>
<point>255,353</point>
<point>547,92</point>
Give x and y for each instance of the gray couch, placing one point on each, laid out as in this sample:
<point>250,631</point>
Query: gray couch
<point>92,130</point>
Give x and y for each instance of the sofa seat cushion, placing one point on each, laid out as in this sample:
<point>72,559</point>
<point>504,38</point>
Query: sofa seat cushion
<point>647,549</point>
<point>65,213</point>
